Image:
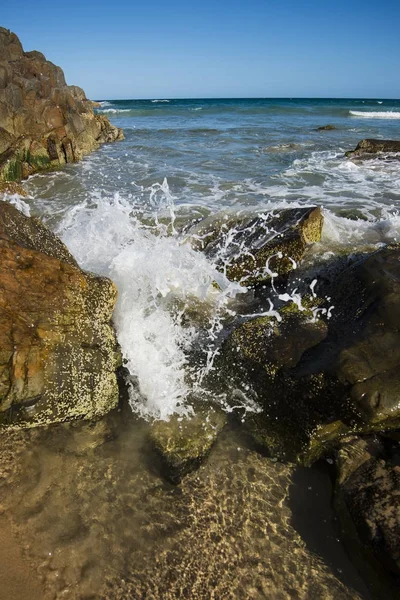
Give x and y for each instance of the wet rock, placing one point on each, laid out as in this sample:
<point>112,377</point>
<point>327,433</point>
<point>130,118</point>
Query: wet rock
<point>184,442</point>
<point>44,122</point>
<point>317,381</point>
<point>374,148</point>
<point>326,128</point>
<point>12,187</point>
<point>250,249</point>
<point>263,353</point>
<point>367,498</point>
<point>58,351</point>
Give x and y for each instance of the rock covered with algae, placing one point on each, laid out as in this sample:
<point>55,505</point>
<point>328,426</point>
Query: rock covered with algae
<point>318,380</point>
<point>58,351</point>
<point>250,249</point>
<point>184,442</point>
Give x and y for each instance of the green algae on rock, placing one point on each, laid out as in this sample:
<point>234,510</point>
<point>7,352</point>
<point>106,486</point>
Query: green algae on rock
<point>58,351</point>
<point>184,442</point>
<point>250,249</point>
<point>317,381</point>
<point>44,122</point>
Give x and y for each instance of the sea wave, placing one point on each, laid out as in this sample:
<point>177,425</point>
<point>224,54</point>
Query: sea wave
<point>114,110</point>
<point>160,101</point>
<point>389,114</point>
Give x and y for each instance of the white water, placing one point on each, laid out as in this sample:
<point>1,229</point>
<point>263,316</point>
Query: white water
<point>389,114</point>
<point>158,279</point>
<point>113,111</point>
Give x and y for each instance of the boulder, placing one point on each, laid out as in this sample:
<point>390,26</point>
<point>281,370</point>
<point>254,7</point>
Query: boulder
<point>251,249</point>
<point>183,442</point>
<point>326,128</point>
<point>367,499</point>
<point>374,148</point>
<point>58,351</point>
<point>44,122</point>
<point>317,380</point>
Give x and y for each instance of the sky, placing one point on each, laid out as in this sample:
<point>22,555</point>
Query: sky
<point>216,48</point>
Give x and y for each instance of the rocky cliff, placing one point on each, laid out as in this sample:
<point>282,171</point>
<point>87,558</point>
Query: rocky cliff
<point>44,122</point>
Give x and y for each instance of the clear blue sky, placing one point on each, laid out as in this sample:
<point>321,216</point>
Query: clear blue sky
<point>216,48</point>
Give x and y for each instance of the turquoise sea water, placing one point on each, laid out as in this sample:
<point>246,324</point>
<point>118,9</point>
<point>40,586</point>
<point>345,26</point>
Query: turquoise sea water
<point>218,153</point>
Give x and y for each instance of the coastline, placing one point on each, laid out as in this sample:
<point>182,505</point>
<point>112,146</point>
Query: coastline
<point>257,268</point>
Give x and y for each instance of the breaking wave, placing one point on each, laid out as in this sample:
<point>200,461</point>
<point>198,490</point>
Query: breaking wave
<point>389,114</point>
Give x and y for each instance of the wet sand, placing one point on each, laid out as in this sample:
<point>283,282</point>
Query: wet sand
<point>18,581</point>
<point>100,522</point>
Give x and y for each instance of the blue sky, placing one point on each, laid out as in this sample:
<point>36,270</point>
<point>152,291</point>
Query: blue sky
<point>216,48</point>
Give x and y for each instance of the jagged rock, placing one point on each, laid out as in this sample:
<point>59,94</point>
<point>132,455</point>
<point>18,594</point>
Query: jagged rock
<point>367,498</point>
<point>374,148</point>
<point>58,351</point>
<point>184,442</point>
<point>326,128</point>
<point>247,249</point>
<point>319,381</point>
<point>44,122</point>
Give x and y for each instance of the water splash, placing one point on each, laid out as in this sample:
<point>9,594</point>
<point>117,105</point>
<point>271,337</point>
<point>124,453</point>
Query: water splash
<point>158,279</point>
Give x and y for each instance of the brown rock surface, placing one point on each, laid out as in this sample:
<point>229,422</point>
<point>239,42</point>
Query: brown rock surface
<point>44,122</point>
<point>58,351</point>
<point>374,148</point>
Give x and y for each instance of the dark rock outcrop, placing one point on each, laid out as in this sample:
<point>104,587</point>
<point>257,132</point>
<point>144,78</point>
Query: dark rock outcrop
<point>326,128</point>
<point>374,148</point>
<point>318,381</point>
<point>249,249</point>
<point>58,351</point>
<point>367,498</point>
<point>44,122</point>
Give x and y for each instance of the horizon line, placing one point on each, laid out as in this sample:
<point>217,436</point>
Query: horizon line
<point>378,98</point>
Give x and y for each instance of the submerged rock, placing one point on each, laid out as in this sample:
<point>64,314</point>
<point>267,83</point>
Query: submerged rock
<point>318,381</point>
<point>367,499</point>
<point>374,148</point>
<point>58,351</point>
<point>252,249</point>
<point>184,442</point>
<point>44,122</point>
<point>326,128</point>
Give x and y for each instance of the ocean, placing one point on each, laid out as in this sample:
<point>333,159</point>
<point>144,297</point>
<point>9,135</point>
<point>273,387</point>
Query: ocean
<point>122,210</point>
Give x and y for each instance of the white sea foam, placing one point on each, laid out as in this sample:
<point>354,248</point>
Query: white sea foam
<point>113,110</point>
<point>160,101</point>
<point>157,278</point>
<point>342,233</point>
<point>16,200</point>
<point>389,114</point>
<point>105,103</point>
